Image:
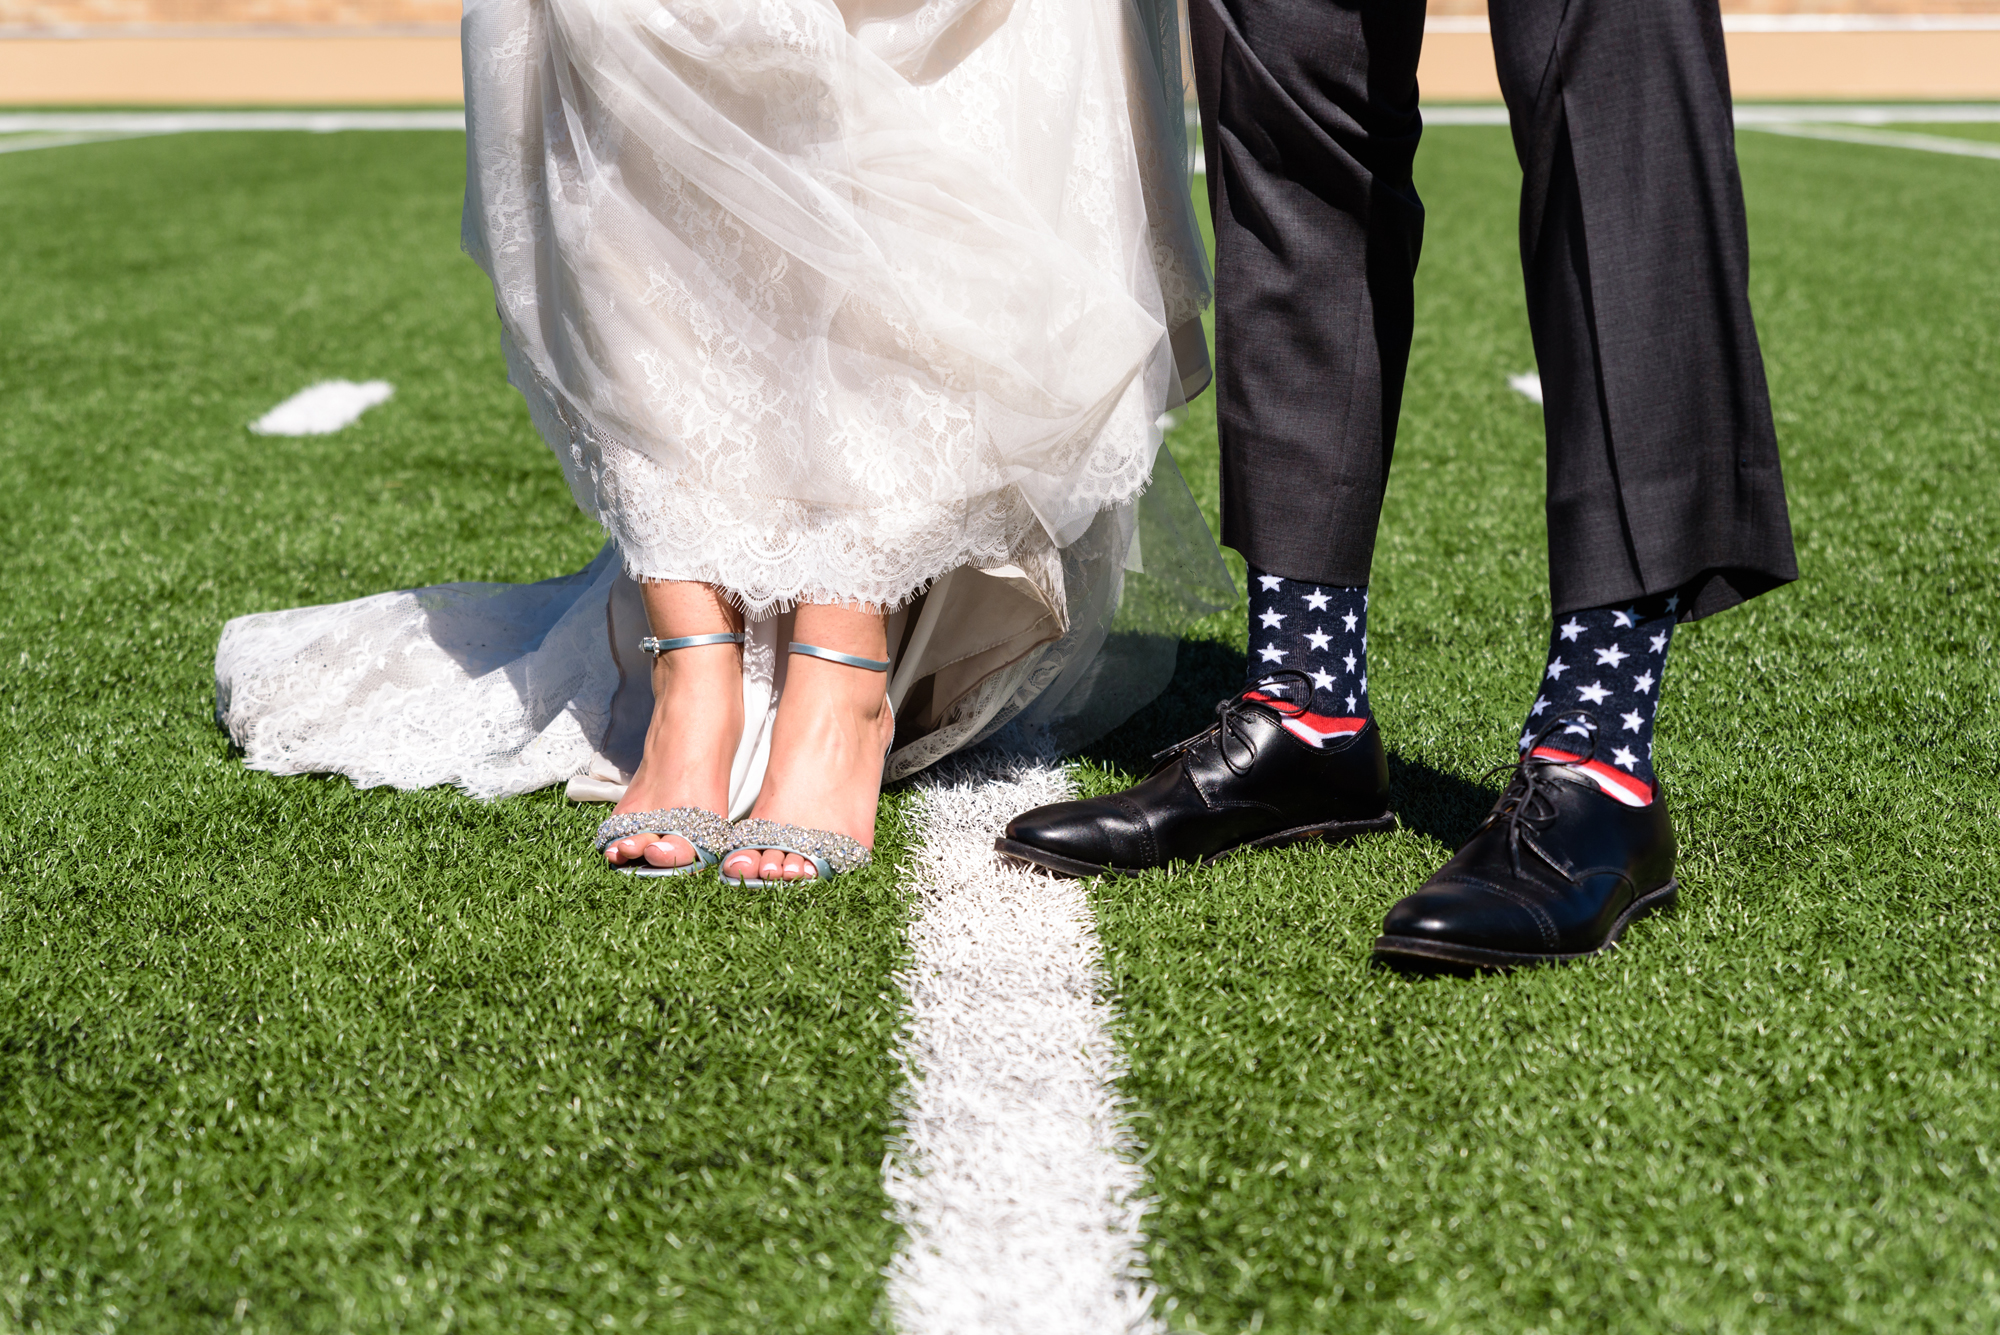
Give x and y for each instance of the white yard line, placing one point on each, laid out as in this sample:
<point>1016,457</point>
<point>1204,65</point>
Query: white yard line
<point>1786,23</point>
<point>61,129</point>
<point>1860,22</point>
<point>1014,1175</point>
<point>1773,115</point>
<point>22,143</point>
<point>1802,120</point>
<point>1857,113</point>
<point>1859,134</point>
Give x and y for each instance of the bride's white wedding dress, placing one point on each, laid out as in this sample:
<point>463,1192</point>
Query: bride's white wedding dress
<point>870,301</point>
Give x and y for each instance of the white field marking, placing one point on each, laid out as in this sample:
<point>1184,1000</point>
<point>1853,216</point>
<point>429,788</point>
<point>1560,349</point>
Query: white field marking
<point>22,143</point>
<point>1760,114</point>
<point>1857,134</point>
<point>1774,113</point>
<point>1860,22</point>
<point>1528,385</point>
<point>1013,1174</point>
<point>323,409</point>
<point>1788,23</point>
<point>1801,119</point>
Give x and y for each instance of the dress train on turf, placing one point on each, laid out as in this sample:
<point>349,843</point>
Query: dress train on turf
<point>813,301</point>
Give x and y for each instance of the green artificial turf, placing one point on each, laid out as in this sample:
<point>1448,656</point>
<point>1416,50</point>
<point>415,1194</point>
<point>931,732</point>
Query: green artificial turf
<point>280,1054</point>
<point>1777,1110</point>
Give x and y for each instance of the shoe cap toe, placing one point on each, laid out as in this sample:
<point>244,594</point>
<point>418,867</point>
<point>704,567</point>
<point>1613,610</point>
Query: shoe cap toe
<point>1472,913</point>
<point>1093,829</point>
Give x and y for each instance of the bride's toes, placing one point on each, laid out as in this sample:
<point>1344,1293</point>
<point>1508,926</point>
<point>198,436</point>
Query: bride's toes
<point>672,851</point>
<point>626,850</point>
<point>767,864</point>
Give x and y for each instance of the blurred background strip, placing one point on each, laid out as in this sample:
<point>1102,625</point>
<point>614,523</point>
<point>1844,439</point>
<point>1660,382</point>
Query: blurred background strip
<point>112,53</point>
<point>1837,49</point>
<point>126,53</point>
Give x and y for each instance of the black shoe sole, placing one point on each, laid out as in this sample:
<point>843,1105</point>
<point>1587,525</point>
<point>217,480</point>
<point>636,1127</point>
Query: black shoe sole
<point>1420,952</point>
<point>1334,832</point>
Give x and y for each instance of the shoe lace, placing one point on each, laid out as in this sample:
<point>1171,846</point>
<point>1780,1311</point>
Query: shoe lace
<point>1230,725</point>
<point>1527,805</point>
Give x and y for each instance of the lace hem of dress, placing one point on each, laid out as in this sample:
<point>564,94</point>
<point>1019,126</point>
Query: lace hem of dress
<point>771,554</point>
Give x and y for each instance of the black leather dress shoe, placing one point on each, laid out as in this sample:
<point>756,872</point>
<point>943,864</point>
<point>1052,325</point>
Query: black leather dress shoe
<point>1264,774</point>
<point>1556,872</point>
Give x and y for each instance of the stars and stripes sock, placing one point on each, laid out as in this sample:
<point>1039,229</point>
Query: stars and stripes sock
<point>1606,662</point>
<point>1321,631</point>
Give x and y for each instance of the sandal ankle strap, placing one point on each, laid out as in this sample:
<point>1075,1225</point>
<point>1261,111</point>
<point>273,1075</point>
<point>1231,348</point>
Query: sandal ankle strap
<point>657,647</point>
<point>835,656</point>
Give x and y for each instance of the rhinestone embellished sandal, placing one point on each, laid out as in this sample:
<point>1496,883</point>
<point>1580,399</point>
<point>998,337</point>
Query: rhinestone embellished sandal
<point>830,854</point>
<point>704,830</point>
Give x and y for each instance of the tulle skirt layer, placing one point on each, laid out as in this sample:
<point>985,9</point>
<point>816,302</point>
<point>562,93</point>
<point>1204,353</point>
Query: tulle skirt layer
<point>877,301</point>
<point>820,303</point>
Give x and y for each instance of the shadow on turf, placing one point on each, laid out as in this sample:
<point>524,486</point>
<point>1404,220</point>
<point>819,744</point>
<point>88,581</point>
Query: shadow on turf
<point>1204,672</point>
<point>1437,805</point>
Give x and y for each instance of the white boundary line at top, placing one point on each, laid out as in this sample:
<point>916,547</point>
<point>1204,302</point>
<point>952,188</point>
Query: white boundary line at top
<point>1787,23</point>
<point>1857,134</point>
<point>1014,1176</point>
<point>1843,123</point>
<point>1760,114</point>
<point>331,122</point>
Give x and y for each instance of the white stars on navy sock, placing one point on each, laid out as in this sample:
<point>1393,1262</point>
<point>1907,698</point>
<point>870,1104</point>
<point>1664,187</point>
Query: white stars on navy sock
<point>1319,630</point>
<point>1614,657</point>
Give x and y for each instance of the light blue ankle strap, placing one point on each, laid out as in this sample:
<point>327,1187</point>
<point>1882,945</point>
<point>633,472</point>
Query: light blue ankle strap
<point>653,646</point>
<point>835,656</point>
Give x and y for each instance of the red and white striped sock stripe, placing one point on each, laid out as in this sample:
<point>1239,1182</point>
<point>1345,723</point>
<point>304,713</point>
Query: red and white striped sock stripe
<point>1631,791</point>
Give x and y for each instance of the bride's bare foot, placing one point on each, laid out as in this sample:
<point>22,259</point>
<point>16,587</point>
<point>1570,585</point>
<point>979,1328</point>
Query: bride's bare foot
<point>697,722</point>
<point>833,726</point>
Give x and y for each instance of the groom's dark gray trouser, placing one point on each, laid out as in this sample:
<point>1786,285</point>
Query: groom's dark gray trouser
<point>1662,462</point>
